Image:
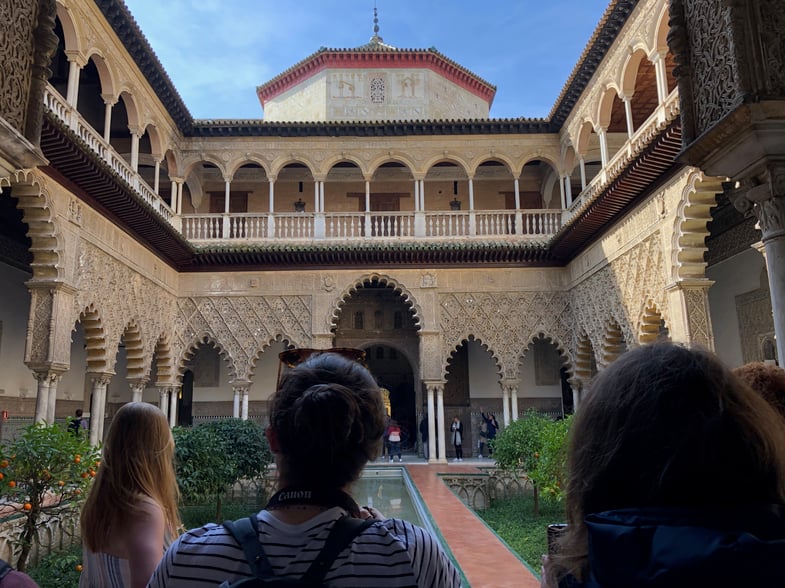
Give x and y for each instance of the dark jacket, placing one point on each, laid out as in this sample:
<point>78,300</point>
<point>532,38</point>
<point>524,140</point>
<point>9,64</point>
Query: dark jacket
<point>686,548</point>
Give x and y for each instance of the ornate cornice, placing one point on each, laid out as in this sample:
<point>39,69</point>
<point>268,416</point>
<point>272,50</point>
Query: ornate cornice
<point>260,128</point>
<point>389,58</point>
<point>610,24</point>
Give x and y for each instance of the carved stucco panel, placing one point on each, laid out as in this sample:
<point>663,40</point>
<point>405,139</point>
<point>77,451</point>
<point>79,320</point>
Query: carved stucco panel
<point>715,72</point>
<point>505,322</point>
<point>698,316</point>
<point>121,295</point>
<point>242,325</point>
<point>16,47</point>
<point>772,45</point>
<point>619,290</point>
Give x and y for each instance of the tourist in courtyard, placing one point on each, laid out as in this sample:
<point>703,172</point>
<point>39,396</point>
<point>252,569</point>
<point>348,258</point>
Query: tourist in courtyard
<point>676,479</point>
<point>766,379</point>
<point>326,424</point>
<point>131,512</point>
<point>78,424</point>
<point>456,432</point>
<point>424,435</point>
<point>491,428</point>
<point>393,435</point>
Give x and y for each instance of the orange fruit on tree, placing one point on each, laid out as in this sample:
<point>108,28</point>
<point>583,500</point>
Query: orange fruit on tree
<point>78,567</point>
<point>4,463</point>
<point>83,474</point>
<point>28,506</point>
<point>61,483</point>
<point>12,484</point>
<point>78,491</point>
<point>77,459</point>
<point>2,475</point>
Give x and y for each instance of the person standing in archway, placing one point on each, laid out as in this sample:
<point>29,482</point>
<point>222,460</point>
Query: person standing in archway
<point>456,430</point>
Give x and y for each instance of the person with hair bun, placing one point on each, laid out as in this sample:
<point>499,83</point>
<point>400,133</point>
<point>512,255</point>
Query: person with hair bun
<point>676,478</point>
<point>326,423</point>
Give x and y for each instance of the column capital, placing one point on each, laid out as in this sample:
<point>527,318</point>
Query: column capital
<point>48,375</point>
<point>764,197</point>
<point>109,99</point>
<point>76,56</point>
<point>99,378</point>
<point>136,130</point>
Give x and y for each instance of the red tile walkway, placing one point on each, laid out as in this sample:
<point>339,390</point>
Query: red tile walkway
<point>486,562</point>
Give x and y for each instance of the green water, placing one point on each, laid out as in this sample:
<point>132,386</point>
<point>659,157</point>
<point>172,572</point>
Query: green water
<point>386,490</point>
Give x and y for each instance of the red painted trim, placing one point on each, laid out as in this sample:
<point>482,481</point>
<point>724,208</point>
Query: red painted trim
<point>322,61</point>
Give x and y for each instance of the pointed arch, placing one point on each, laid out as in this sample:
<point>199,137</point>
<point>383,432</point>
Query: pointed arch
<point>563,351</point>
<point>461,341</point>
<point>381,280</point>
<point>193,346</point>
<point>274,338</point>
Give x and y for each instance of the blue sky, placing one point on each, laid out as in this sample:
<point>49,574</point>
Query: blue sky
<point>218,51</point>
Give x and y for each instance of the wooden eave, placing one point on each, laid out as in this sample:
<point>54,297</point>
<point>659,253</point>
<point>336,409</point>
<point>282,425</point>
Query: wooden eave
<point>73,164</point>
<point>637,181</point>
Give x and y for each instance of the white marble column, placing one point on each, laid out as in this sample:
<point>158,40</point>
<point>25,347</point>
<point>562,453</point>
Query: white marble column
<point>163,400</point>
<point>441,424</point>
<point>75,64</point>
<point>173,394</point>
<point>46,395</point>
<point>582,163</point>
<point>431,424</point>
<point>109,102</point>
<point>628,114</point>
<point>137,389</point>
<point>661,77</point>
<point>271,206</point>
<point>506,405</point>
<point>602,134</point>
<point>98,385</point>
<point>157,178</point>
<point>136,134</point>
<point>767,201</point>
<point>236,402</point>
<point>244,412</point>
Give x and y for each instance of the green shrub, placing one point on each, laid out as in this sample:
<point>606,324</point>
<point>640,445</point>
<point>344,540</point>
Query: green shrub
<point>44,470</point>
<point>59,569</point>
<point>524,530</point>
<point>210,458</point>
<point>536,445</point>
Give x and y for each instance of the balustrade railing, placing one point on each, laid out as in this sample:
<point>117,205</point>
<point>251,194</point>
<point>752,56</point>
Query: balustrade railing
<point>62,110</point>
<point>662,116</point>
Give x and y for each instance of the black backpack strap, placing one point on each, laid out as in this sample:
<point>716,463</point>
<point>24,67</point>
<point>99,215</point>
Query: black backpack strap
<point>246,534</point>
<point>344,530</point>
<point>5,568</point>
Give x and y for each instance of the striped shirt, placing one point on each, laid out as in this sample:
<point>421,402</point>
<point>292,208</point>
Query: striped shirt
<point>392,553</point>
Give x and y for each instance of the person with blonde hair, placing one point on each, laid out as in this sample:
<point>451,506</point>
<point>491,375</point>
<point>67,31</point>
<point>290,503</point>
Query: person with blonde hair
<point>326,423</point>
<point>676,478</point>
<point>131,512</point>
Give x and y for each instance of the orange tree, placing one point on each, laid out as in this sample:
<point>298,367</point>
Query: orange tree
<point>537,445</point>
<point>212,457</point>
<point>44,470</point>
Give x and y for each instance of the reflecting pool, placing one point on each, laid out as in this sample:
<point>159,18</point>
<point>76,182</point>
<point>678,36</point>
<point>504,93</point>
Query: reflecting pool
<point>391,492</point>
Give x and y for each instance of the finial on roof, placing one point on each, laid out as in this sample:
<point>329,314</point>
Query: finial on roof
<point>376,38</point>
